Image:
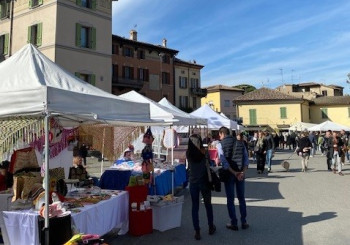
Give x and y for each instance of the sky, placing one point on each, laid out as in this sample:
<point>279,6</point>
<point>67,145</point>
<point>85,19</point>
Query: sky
<point>258,42</point>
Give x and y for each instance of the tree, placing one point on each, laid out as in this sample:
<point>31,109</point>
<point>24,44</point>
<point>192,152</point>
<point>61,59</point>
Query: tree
<point>247,88</point>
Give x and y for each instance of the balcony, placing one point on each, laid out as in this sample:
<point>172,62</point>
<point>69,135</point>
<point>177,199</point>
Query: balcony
<point>127,83</point>
<point>201,92</point>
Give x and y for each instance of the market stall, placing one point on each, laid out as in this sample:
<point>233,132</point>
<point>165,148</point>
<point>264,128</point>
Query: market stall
<point>34,88</point>
<point>329,125</point>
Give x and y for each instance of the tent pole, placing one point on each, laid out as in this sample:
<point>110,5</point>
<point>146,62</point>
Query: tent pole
<point>172,160</point>
<point>103,149</point>
<point>47,178</point>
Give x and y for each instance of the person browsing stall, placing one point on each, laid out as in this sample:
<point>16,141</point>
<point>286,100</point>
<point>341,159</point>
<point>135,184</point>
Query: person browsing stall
<point>199,183</point>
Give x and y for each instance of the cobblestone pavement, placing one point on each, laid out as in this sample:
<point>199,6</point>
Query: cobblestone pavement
<point>283,208</point>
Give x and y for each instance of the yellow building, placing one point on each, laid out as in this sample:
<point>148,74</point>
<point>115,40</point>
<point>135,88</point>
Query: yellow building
<point>335,109</point>
<point>75,34</point>
<point>187,90</point>
<point>270,108</point>
<point>220,98</point>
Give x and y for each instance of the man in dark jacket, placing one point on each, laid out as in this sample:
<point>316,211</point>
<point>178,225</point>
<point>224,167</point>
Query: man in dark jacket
<point>328,147</point>
<point>234,157</point>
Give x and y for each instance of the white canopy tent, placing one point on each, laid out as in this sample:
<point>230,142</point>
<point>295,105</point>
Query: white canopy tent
<point>215,121</point>
<point>301,126</point>
<point>160,112</point>
<point>329,125</point>
<point>31,85</point>
<point>193,120</point>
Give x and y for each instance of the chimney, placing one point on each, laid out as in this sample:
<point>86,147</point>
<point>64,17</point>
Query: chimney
<point>164,42</point>
<point>133,35</point>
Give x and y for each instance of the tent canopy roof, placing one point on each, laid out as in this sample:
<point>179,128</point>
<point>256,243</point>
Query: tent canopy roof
<point>329,125</point>
<point>215,121</point>
<point>31,84</point>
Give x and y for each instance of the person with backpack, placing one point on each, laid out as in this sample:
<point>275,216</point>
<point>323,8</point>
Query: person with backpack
<point>234,157</point>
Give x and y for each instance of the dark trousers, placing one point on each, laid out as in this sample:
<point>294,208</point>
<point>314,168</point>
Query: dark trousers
<point>329,160</point>
<point>260,161</point>
<point>195,189</point>
<point>230,194</point>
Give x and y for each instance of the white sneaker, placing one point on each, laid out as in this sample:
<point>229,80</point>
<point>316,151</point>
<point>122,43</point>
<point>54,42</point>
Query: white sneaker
<point>269,170</point>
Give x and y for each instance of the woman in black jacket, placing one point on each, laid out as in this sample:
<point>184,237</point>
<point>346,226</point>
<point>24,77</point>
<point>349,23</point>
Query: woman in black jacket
<point>199,183</point>
<point>260,148</point>
<point>304,146</point>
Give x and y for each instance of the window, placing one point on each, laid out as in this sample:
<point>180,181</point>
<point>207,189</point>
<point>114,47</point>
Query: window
<point>283,112</point>
<point>142,74</point>
<point>4,44</point>
<point>183,101</point>
<point>35,3</point>
<point>115,71</point>
<point>182,72</point>
<point>89,78</point>
<point>226,103</point>
<point>194,102</point>
<point>115,49</point>
<point>85,37</point>
<point>252,117</point>
<point>183,82</point>
<point>166,59</point>
<point>35,34</point>
<point>4,9</point>
<point>324,92</point>
<point>165,77</point>
<point>324,113</point>
<point>128,72</point>
<point>141,54</point>
<point>128,52</point>
<point>194,83</point>
<point>90,4</point>
<point>348,111</point>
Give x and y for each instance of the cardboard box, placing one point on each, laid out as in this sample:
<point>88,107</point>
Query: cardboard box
<point>167,217</point>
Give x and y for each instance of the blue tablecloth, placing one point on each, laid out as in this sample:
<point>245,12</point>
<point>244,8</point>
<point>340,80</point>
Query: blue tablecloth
<point>118,180</point>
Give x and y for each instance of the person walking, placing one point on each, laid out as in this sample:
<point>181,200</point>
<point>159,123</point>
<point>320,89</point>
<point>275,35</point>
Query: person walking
<point>304,148</point>
<point>199,183</point>
<point>270,146</point>
<point>260,152</point>
<point>337,152</point>
<point>83,152</point>
<point>234,157</point>
<point>313,141</point>
<point>328,148</point>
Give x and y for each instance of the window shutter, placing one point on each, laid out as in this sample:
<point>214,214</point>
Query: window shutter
<point>39,38</point>
<point>138,73</point>
<point>185,81</point>
<point>93,79</point>
<point>6,44</point>
<point>146,75</point>
<point>30,3</point>
<point>77,35</point>
<point>93,37</point>
<point>40,2</point>
<point>93,4</point>
<point>124,71</point>
<point>78,2</point>
<point>131,52</point>
<point>132,72</point>
<point>168,77</point>
<point>29,34</point>
<point>77,74</point>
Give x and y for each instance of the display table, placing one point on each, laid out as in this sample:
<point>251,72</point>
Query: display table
<point>118,179</point>
<point>100,218</point>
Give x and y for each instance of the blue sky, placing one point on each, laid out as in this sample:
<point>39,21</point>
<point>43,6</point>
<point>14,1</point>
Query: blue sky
<point>248,41</point>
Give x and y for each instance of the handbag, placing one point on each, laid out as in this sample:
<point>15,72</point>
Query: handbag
<point>224,174</point>
<point>213,179</point>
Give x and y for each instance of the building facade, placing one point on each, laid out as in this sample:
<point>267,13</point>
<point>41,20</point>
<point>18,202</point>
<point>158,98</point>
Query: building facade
<point>270,108</point>
<point>143,67</point>
<point>75,34</point>
<point>188,91</point>
<point>221,99</point>
<point>311,90</point>
<point>335,109</point>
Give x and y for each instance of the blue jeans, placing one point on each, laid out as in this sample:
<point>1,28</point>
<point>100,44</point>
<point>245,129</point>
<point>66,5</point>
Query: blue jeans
<point>195,189</point>
<point>230,194</point>
<point>268,158</point>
